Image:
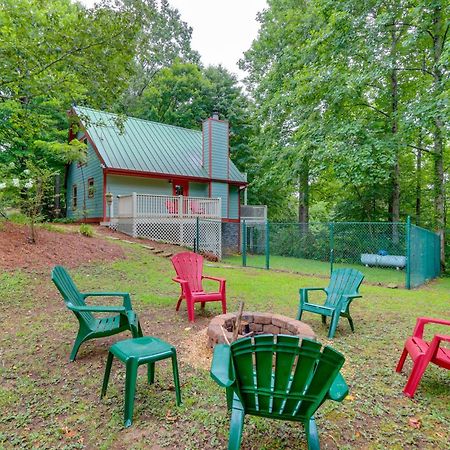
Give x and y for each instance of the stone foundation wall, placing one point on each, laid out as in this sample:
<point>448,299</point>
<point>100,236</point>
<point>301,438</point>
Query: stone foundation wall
<point>230,238</point>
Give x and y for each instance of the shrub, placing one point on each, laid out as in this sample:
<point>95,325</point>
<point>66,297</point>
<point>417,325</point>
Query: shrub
<point>86,230</point>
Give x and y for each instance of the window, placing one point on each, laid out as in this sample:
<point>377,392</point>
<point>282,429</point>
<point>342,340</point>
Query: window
<point>74,196</point>
<point>91,188</point>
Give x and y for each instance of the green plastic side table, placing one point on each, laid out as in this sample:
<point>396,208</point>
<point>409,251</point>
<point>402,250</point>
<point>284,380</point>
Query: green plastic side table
<point>133,353</point>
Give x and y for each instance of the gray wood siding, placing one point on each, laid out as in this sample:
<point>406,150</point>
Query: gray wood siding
<point>219,152</point>
<point>124,185</point>
<point>233,209</point>
<point>198,189</point>
<point>80,175</point>
<point>205,151</point>
<point>221,190</point>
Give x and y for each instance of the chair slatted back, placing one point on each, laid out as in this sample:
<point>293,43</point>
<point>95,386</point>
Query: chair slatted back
<point>189,267</point>
<point>282,376</point>
<point>70,292</point>
<point>343,281</point>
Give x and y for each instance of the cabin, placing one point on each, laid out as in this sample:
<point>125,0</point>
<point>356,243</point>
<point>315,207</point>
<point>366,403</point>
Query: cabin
<point>163,173</point>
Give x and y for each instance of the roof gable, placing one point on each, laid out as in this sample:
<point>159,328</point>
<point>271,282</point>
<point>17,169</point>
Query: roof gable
<point>147,146</point>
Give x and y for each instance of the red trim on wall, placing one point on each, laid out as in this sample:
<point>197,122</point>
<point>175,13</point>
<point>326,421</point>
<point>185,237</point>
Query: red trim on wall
<point>219,120</point>
<point>83,128</point>
<point>90,220</point>
<point>203,144</point>
<point>104,195</point>
<point>165,176</point>
<point>231,220</point>
<point>210,149</point>
<point>228,146</point>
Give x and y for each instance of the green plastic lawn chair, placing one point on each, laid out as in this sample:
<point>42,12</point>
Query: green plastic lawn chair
<point>91,327</point>
<point>278,377</point>
<point>343,288</point>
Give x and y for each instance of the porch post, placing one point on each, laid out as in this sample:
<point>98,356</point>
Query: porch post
<point>134,213</point>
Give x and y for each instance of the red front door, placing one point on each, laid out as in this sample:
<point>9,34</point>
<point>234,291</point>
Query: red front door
<point>180,188</point>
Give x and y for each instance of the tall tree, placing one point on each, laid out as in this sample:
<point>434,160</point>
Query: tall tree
<point>51,54</point>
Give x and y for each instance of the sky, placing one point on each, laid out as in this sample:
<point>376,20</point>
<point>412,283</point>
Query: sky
<point>222,29</point>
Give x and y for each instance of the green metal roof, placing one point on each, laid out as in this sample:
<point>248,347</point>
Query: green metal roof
<point>147,146</point>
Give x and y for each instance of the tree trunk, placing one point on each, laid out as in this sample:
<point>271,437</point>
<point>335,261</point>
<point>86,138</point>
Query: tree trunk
<point>395,176</point>
<point>303,193</point>
<point>419,183</point>
<point>438,153</point>
<point>57,210</point>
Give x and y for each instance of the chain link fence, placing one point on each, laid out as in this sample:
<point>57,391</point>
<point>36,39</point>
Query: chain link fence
<point>424,256</point>
<point>387,253</point>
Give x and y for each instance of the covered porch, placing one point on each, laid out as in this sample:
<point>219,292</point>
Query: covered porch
<point>167,206</point>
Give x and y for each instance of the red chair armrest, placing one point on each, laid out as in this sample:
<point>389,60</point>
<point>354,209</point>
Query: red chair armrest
<point>220,280</point>
<point>422,321</point>
<point>441,337</point>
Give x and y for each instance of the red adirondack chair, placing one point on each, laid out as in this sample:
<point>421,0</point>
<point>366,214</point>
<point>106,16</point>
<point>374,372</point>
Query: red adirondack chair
<point>423,352</point>
<point>189,269</point>
<point>172,206</point>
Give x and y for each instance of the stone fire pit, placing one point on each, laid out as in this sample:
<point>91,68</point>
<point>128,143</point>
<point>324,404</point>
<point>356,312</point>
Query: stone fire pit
<point>257,322</point>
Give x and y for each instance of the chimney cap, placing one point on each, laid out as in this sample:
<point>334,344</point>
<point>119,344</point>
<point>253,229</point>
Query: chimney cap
<point>215,115</point>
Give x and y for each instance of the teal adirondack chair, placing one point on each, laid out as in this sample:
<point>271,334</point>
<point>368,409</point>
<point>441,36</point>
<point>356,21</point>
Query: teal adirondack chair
<point>343,288</point>
<point>91,327</point>
<point>278,377</point>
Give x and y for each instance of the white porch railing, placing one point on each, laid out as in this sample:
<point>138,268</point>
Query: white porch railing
<point>254,213</point>
<point>186,221</point>
<point>149,205</point>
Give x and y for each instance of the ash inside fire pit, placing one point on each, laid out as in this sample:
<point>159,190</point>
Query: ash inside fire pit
<point>255,323</point>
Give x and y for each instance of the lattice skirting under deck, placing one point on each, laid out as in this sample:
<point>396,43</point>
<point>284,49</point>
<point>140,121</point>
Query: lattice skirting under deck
<point>176,231</point>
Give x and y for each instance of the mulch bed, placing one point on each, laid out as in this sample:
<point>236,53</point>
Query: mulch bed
<point>70,249</point>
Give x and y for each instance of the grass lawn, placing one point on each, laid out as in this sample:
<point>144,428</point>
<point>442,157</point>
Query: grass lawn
<point>373,275</point>
<point>47,402</point>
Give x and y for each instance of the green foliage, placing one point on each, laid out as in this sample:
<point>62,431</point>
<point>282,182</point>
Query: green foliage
<point>57,53</point>
<point>86,230</point>
<point>184,94</point>
<point>345,94</point>
<point>26,191</point>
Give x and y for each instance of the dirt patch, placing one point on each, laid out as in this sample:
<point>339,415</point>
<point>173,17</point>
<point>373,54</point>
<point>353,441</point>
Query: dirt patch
<point>67,248</point>
<point>195,351</point>
<point>167,248</point>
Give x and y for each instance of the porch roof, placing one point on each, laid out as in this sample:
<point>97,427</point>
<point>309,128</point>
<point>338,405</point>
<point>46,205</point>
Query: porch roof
<point>145,146</point>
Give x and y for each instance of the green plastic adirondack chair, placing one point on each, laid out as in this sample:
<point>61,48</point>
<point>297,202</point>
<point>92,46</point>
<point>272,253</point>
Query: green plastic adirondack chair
<point>279,377</point>
<point>343,288</point>
<point>91,327</point>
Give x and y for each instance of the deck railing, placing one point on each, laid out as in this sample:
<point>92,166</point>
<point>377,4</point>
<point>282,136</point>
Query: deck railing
<point>167,206</point>
<point>254,213</point>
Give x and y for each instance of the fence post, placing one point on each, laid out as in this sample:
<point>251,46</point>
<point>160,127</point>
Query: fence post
<point>244,244</point>
<point>267,246</point>
<point>331,246</point>
<point>408,253</point>
<point>197,235</point>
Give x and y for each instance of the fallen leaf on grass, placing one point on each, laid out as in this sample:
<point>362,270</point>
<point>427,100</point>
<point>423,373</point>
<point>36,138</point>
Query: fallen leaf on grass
<point>69,433</point>
<point>169,417</point>
<point>350,398</point>
<point>415,423</point>
<point>187,328</point>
